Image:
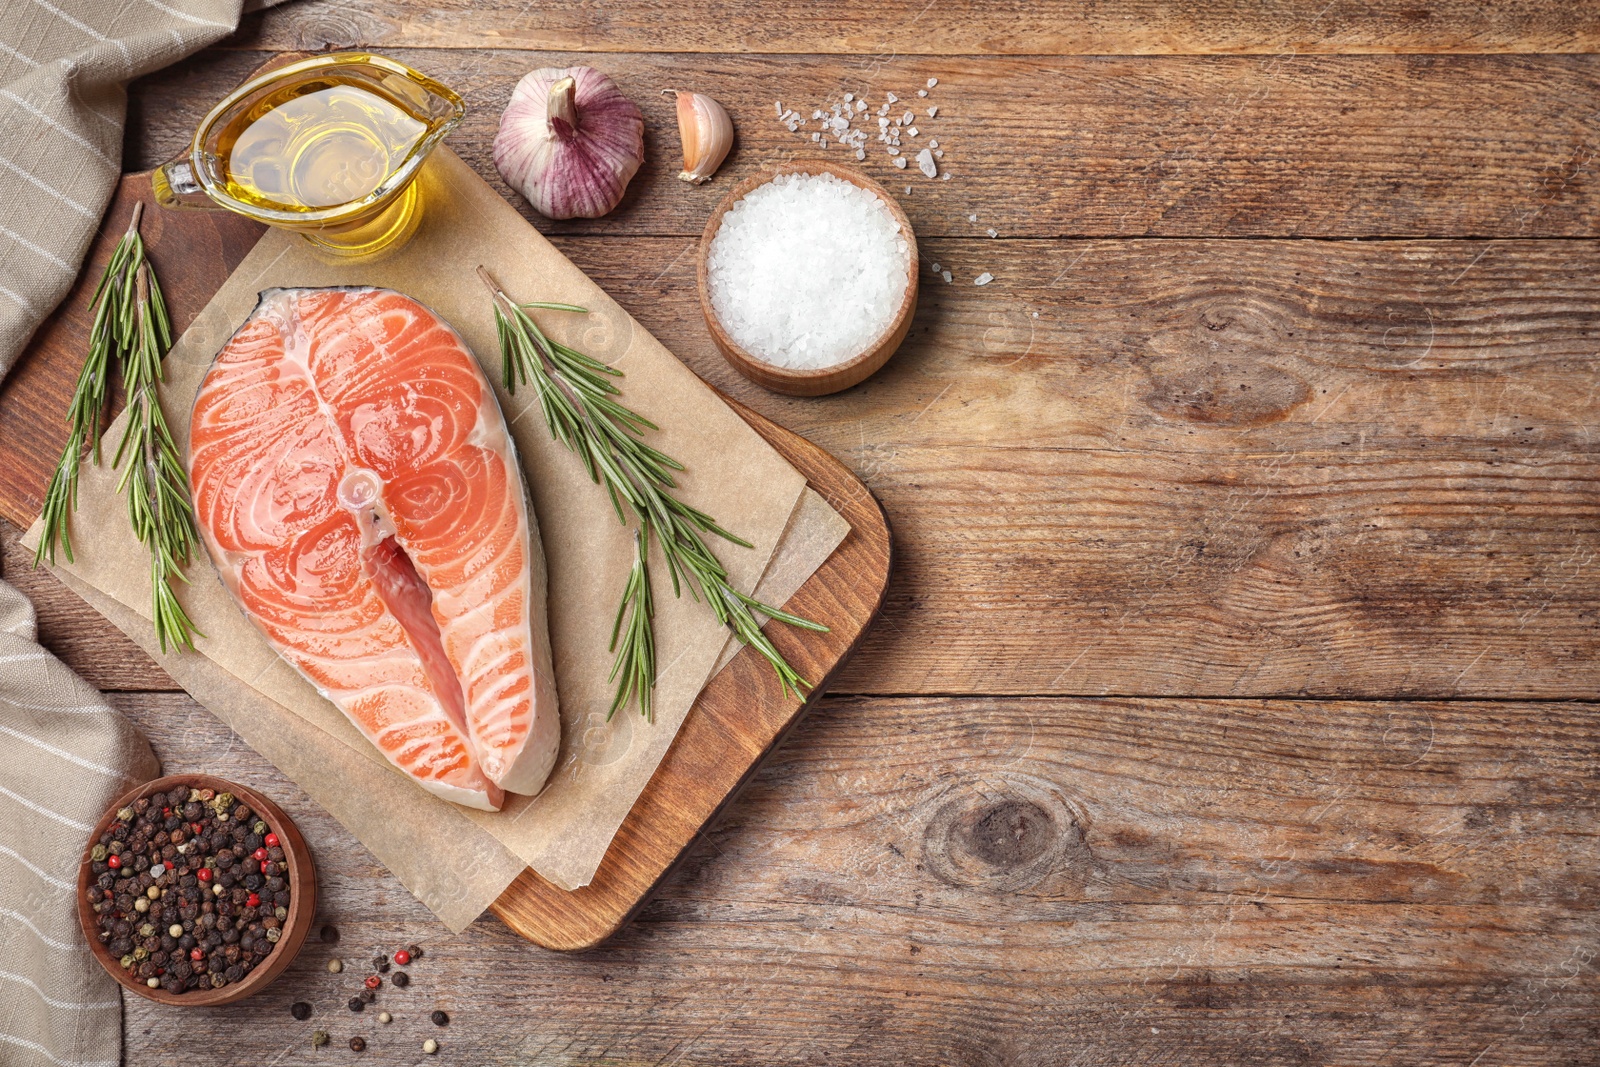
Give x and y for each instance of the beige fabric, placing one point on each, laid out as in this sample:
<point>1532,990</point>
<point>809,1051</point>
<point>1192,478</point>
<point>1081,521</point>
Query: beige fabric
<point>63,65</point>
<point>64,756</point>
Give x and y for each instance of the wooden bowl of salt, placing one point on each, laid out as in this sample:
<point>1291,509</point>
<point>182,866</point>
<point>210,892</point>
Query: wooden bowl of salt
<point>807,285</point>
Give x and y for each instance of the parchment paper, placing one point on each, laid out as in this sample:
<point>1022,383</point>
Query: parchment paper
<point>732,473</point>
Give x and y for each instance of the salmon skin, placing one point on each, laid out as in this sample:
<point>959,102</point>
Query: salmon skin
<point>362,500</point>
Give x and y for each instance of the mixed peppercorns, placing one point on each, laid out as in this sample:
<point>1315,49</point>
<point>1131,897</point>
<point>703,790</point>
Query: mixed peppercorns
<point>368,993</point>
<point>190,889</point>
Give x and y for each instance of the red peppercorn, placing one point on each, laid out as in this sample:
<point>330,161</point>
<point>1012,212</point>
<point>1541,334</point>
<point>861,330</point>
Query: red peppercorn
<point>197,954</point>
<point>114,861</point>
<point>204,874</point>
<point>259,854</point>
<point>402,957</point>
<point>271,840</point>
<point>166,811</point>
<point>373,981</point>
<point>266,866</point>
<point>167,864</point>
<point>196,827</point>
<point>254,901</point>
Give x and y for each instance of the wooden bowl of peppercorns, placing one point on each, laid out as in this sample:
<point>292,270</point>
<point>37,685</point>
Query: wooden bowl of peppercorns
<point>219,864</point>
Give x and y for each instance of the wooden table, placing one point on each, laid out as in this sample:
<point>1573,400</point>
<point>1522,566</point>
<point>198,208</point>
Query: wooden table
<point>1233,702</point>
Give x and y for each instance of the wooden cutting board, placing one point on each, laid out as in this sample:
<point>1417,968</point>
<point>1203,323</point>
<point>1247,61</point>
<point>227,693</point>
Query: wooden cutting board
<point>740,716</point>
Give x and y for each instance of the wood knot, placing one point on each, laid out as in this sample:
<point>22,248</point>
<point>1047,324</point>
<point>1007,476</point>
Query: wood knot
<point>1007,832</point>
<point>1221,364</point>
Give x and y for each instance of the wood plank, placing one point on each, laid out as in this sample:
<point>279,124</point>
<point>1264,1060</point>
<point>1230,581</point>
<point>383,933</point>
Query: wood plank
<point>1224,146</point>
<point>1122,881</point>
<point>1400,502</point>
<point>914,27</point>
<point>1222,467</point>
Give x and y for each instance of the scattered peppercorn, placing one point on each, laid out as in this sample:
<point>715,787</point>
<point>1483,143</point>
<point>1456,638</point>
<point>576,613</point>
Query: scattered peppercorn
<point>385,1017</point>
<point>381,964</point>
<point>415,951</point>
<point>330,934</point>
<point>402,957</point>
<point>300,1010</point>
<point>319,1038</point>
<point>372,981</point>
<point>367,996</point>
<point>357,1044</point>
<point>401,979</point>
<point>335,966</point>
<point>430,1046</point>
<point>440,1018</point>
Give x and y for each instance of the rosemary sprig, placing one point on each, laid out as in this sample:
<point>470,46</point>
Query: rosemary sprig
<point>132,325</point>
<point>155,483</point>
<point>113,305</point>
<point>577,396</point>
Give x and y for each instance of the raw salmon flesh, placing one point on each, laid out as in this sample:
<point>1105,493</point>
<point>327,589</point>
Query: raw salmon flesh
<point>361,499</point>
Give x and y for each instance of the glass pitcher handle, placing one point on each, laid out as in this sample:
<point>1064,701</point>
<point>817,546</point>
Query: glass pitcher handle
<point>175,185</point>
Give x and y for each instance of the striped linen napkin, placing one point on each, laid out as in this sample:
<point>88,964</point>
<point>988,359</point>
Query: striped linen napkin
<point>64,756</point>
<point>63,65</point>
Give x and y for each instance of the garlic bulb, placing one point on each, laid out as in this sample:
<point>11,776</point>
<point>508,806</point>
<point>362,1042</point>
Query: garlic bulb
<point>569,141</point>
<point>706,133</point>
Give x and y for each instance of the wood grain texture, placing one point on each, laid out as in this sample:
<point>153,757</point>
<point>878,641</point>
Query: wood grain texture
<point>1223,146</point>
<point>1121,881</point>
<point>1217,467</point>
<point>914,27</point>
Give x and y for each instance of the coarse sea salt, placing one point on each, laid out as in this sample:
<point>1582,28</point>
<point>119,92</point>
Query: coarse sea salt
<point>807,271</point>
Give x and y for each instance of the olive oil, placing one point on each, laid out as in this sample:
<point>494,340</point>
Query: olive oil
<point>316,145</point>
<point>330,147</point>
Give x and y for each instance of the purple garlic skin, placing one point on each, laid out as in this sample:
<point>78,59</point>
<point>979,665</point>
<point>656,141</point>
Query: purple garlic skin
<point>570,142</point>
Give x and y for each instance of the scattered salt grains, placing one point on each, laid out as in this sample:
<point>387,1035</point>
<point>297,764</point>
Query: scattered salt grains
<point>861,105</point>
<point>983,279</point>
<point>992,232</point>
<point>911,131</point>
<point>922,92</point>
<point>933,144</point>
<point>861,153</point>
<point>935,266</point>
<point>848,97</point>
<point>926,164</point>
<point>972,218</point>
<point>947,276</point>
<point>900,161</point>
<point>777,105</point>
<point>893,99</point>
<point>932,82</point>
<point>807,270</point>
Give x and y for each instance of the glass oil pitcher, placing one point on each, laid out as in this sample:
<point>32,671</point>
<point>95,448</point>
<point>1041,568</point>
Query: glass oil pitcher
<point>328,147</point>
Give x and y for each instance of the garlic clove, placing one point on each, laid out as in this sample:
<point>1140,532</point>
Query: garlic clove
<point>706,133</point>
<point>569,141</point>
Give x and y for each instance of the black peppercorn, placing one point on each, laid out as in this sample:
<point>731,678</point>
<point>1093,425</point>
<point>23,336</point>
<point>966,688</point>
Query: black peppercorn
<point>415,951</point>
<point>368,996</point>
<point>401,979</point>
<point>357,1004</point>
<point>300,1010</point>
<point>440,1018</point>
<point>357,1044</point>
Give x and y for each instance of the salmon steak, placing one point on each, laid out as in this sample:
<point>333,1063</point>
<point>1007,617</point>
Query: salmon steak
<point>362,500</point>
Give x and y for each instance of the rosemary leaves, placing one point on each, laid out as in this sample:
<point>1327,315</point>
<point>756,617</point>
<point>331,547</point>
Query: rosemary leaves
<point>131,327</point>
<point>577,395</point>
